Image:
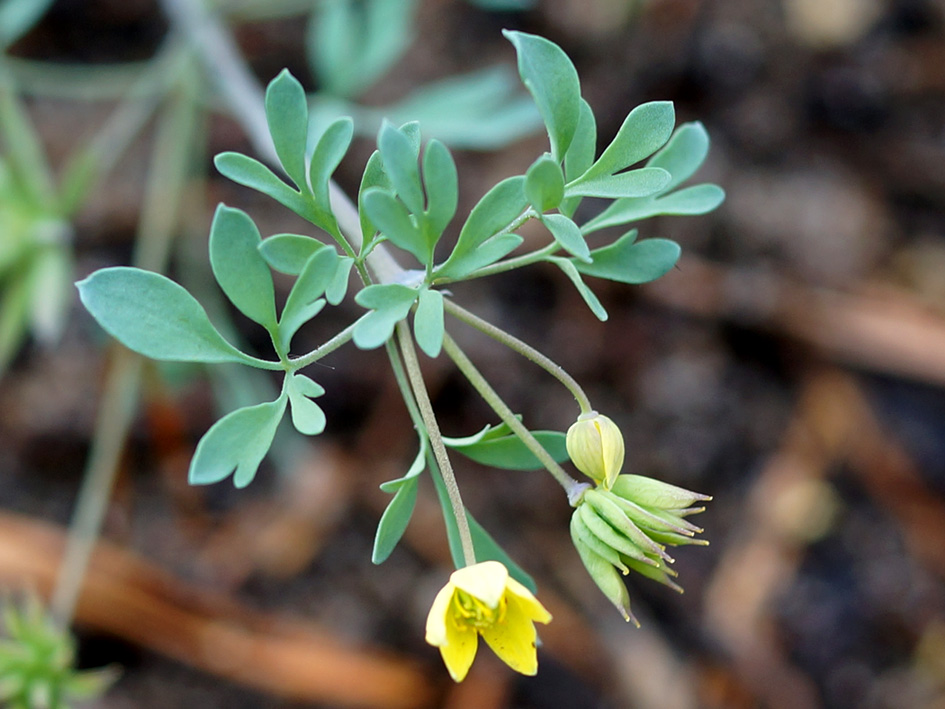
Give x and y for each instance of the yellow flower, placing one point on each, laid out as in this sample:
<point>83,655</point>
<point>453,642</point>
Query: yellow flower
<point>483,599</point>
<point>595,446</point>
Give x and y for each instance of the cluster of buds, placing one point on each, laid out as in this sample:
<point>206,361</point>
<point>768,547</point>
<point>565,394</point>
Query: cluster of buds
<point>627,521</point>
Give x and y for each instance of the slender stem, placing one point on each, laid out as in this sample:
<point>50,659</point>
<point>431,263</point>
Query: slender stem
<point>436,439</point>
<point>513,263</point>
<point>571,486</point>
<point>523,349</point>
<point>328,347</point>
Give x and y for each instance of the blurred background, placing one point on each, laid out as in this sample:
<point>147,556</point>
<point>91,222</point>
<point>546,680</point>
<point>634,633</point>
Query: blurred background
<point>792,365</point>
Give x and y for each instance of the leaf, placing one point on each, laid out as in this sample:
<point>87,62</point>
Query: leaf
<point>338,287</point>
<point>303,302</point>
<point>683,154</point>
<point>400,164</point>
<point>544,184</point>
<point>567,234</point>
<point>642,182</point>
<point>288,253</point>
<point>239,441</point>
<point>428,322</point>
<point>391,217</point>
<point>373,176</point>
<point>553,82</point>
<point>580,155</point>
<point>389,304</point>
<point>645,129</point>
<point>509,453</point>
<point>351,44</point>
<point>586,293</point>
<point>240,268</point>
<point>441,183</point>
<point>394,521</point>
<point>17,17</point>
<point>248,172</point>
<point>698,199</point>
<point>481,110</point>
<point>626,261</point>
<point>154,316</point>
<point>287,115</point>
<point>329,152</point>
<point>497,208</point>
<point>307,416</point>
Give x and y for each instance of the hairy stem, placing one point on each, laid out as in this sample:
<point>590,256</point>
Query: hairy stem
<point>422,398</point>
<point>523,349</point>
<point>571,486</point>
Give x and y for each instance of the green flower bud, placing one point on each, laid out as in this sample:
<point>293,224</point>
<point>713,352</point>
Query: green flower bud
<point>595,446</point>
<point>615,532</point>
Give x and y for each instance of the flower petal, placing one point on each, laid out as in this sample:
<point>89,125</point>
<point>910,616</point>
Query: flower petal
<point>531,605</point>
<point>513,640</point>
<point>459,650</point>
<point>436,618</point>
<point>485,581</point>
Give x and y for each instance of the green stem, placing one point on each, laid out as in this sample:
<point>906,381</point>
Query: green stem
<point>513,263</point>
<point>523,349</point>
<point>328,347</point>
<point>422,398</point>
<point>571,486</point>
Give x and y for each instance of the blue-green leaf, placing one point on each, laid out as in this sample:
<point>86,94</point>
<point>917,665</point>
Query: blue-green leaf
<point>553,82</point>
<point>154,316</point>
<point>307,416</point>
<point>304,302</point>
<point>428,322</point>
<point>644,131</point>
<point>248,172</point>
<point>352,43</point>
<point>338,287</point>
<point>497,208</point>
<point>400,164</point>
<point>394,521</point>
<point>373,176</point>
<point>389,304</point>
<point>239,441</point>
<point>580,155</point>
<point>240,268</point>
<point>698,199</point>
<point>632,262</point>
<point>390,216</point>
<point>509,453</point>
<point>288,253</point>
<point>567,234</point>
<point>544,184</point>
<point>329,151</point>
<point>642,182</point>
<point>683,154</point>
<point>287,115</point>
<point>586,293</point>
<point>442,188</point>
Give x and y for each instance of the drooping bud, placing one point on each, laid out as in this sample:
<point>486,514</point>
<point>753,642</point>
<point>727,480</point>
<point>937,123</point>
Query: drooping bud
<point>595,446</point>
<point>615,534</point>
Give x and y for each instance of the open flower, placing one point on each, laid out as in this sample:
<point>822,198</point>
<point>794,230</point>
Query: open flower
<point>483,599</point>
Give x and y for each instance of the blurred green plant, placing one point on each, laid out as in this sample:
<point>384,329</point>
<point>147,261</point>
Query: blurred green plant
<point>36,662</point>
